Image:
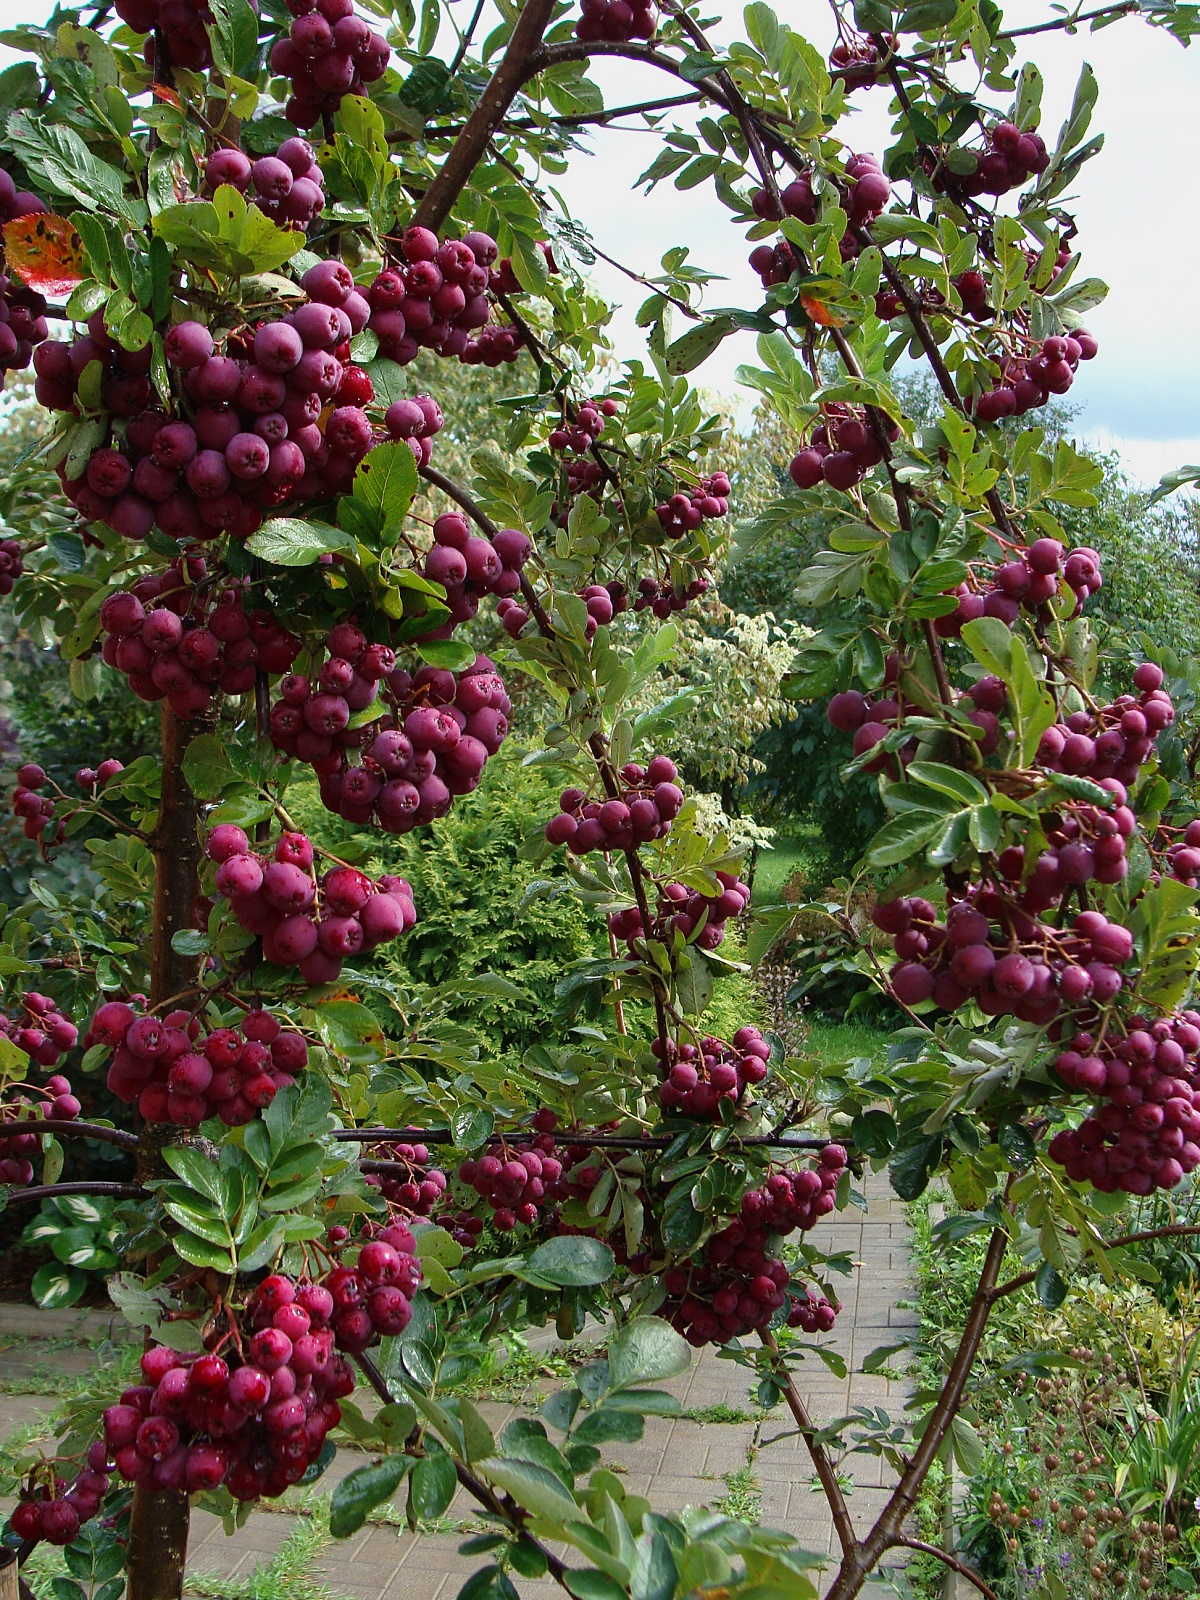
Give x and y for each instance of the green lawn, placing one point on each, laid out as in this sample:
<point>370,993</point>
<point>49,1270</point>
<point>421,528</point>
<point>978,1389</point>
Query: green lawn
<point>838,1042</point>
<point>799,848</point>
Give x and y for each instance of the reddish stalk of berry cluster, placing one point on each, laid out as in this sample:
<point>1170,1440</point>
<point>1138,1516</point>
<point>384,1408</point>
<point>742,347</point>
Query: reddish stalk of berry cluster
<point>438,301</point>
<point>179,640</point>
<point>21,1115</point>
<point>649,802</point>
<point>179,1072</point>
<point>304,922</point>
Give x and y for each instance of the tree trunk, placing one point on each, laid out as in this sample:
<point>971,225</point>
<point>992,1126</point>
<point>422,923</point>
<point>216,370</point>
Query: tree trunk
<point>158,1524</point>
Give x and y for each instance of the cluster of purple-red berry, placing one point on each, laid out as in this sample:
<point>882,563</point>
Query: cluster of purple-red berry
<point>251,442</point>
<point>701,1075</point>
<point>373,1298</point>
<point>1112,741</point>
<point>1146,1133</point>
<point>179,642</point>
<point>22,319</point>
<point>618,20</point>
<point>1183,856</point>
<point>991,948</point>
<point>305,922</point>
<point>36,811</point>
<point>842,449</point>
<point>288,187</point>
<point>739,1285</point>
<point>1027,382</point>
<point>419,1188</point>
<point>253,1419</point>
<point>181,1073</point>
<point>429,742</point>
<point>12,559</point>
<point>660,595</point>
<point>329,52</point>
<point>581,434</point>
<point>56,1510</point>
<point>698,918</point>
<point>438,301</point>
<point>41,1030</point>
<point>516,1184</point>
<point>20,1117</point>
<point>648,804</point>
<point>686,510</point>
<point>183,25</point>
<point>468,566</point>
<point>865,196</point>
<point>856,60</point>
<point>1031,578</point>
<point>1008,160</point>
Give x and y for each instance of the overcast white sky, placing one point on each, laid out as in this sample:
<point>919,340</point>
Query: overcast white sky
<point>1136,207</point>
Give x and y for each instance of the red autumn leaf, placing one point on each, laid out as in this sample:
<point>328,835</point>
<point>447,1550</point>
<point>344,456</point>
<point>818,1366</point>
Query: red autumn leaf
<point>45,252</point>
<point>817,311</point>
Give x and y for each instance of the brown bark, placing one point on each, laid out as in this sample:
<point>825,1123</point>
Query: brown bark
<point>157,1549</point>
<point>159,1520</point>
<point>487,116</point>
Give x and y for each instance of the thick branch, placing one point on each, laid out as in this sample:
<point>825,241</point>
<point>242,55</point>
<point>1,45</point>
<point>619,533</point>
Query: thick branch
<point>97,1186</point>
<point>459,495</point>
<point>505,84</point>
<point>602,1141</point>
<point>887,1530</point>
<point>838,1509</point>
<point>76,1130</point>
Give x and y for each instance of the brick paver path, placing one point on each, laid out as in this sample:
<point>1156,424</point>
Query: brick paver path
<point>678,1462</point>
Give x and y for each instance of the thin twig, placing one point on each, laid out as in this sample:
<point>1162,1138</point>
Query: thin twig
<point>952,1562</point>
